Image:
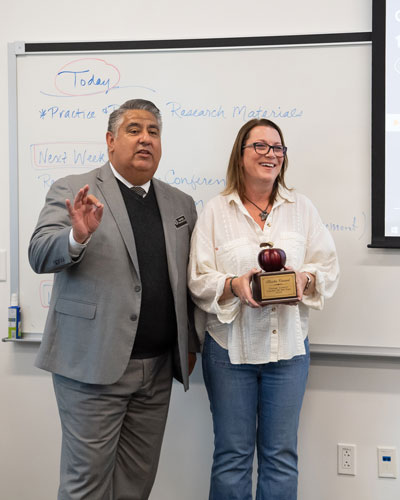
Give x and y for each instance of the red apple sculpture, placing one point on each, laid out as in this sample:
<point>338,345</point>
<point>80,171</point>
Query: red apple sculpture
<point>271,259</point>
<point>273,285</point>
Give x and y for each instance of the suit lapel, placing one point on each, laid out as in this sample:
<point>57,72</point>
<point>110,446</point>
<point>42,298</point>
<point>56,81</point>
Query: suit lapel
<point>166,207</point>
<point>108,185</point>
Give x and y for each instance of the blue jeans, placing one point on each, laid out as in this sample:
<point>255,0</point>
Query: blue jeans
<point>254,404</point>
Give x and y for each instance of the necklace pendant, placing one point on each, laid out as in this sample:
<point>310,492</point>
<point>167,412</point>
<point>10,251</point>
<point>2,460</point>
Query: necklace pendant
<point>263,215</point>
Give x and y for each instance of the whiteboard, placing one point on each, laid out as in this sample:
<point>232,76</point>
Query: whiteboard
<point>319,95</point>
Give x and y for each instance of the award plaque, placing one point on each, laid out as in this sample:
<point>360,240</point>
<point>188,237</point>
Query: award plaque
<point>274,285</point>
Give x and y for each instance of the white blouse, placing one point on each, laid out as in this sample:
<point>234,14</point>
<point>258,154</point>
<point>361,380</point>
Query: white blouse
<point>226,242</point>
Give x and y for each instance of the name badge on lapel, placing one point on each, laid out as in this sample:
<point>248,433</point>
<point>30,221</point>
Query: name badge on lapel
<point>180,221</point>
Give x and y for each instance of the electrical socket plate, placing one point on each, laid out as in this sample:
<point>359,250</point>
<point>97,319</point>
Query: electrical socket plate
<point>346,454</point>
<point>387,461</point>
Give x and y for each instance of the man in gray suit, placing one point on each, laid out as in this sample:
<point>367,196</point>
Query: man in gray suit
<point>120,318</point>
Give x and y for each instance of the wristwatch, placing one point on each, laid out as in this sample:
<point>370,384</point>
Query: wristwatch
<point>308,282</point>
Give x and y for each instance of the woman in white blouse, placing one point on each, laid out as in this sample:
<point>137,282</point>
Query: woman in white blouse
<point>256,358</point>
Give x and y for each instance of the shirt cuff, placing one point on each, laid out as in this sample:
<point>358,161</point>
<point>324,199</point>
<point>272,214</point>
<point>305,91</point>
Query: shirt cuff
<point>75,248</point>
<point>229,309</point>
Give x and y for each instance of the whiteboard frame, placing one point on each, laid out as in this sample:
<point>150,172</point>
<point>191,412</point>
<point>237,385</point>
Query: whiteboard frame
<point>17,49</point>
<point>318,349</point>
<point>13,51</point>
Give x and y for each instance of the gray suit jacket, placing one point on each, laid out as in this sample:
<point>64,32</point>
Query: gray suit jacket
<point>95,303</point>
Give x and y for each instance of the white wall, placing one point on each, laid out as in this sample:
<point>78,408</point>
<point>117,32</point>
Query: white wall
<point>348,400</point>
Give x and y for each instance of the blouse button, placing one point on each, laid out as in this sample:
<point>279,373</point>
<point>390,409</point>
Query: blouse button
<point>274,331</point>
<point>273,309</point>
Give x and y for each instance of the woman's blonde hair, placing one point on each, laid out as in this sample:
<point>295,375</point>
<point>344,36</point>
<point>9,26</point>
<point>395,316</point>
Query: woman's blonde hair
<point>235,173</point>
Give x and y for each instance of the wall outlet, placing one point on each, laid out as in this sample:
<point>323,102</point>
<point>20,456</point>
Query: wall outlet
<point>387,462</point>
<point>346,454</point>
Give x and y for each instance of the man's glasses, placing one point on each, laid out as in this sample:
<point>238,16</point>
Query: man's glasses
<point>262,148</point>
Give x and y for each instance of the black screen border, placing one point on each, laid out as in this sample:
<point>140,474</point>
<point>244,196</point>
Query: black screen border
<point>378,133</point>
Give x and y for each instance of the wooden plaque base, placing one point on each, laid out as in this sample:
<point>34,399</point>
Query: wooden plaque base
<point>274,288</point>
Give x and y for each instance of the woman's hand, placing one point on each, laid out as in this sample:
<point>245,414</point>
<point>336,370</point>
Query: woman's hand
<point>301,283</point>
<point>240,285</point>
